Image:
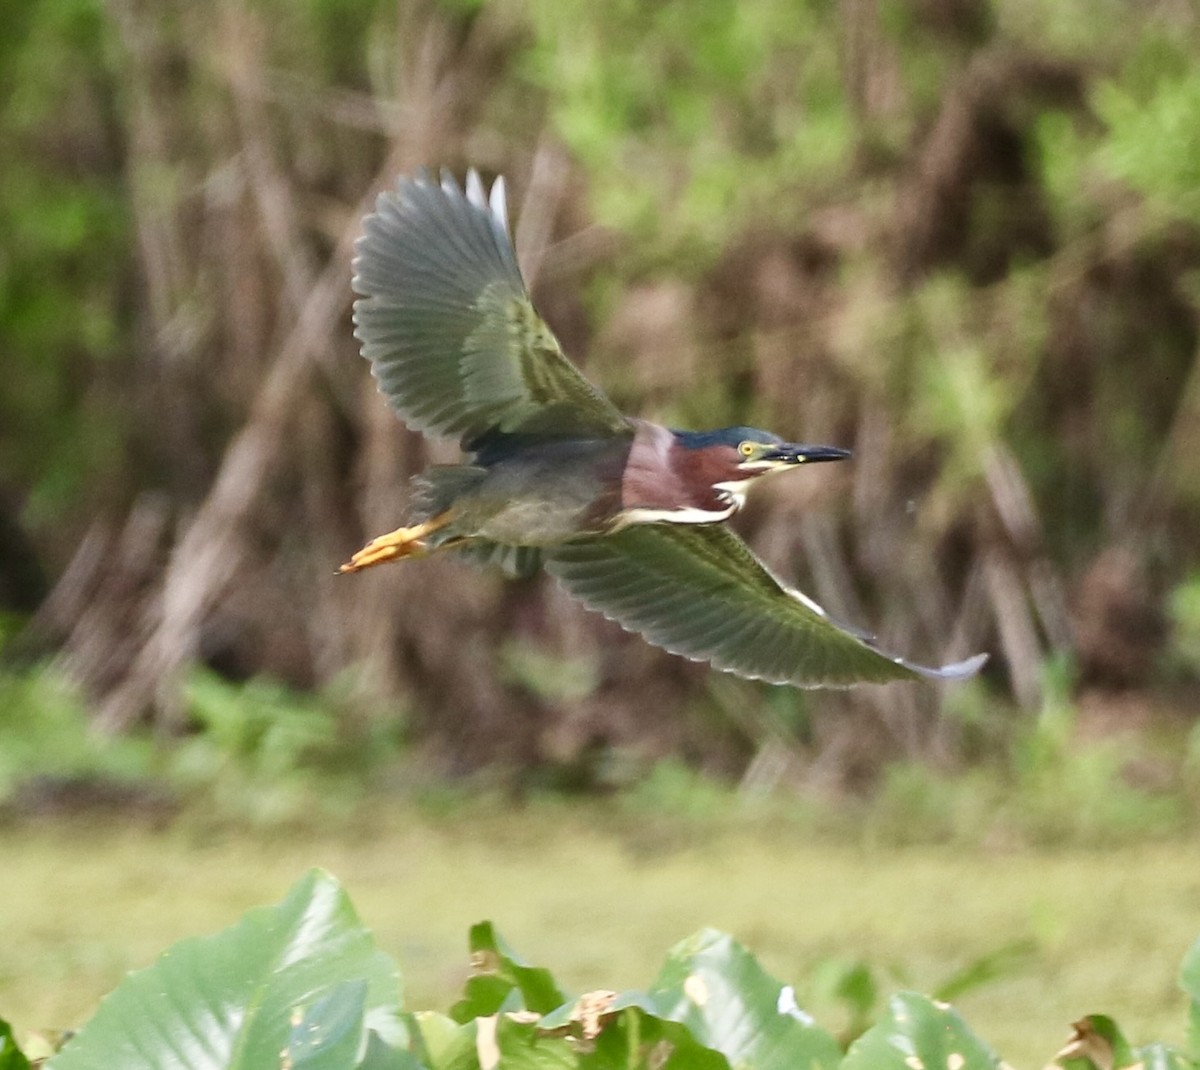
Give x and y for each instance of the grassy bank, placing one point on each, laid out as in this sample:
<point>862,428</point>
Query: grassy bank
<point>600,899</point>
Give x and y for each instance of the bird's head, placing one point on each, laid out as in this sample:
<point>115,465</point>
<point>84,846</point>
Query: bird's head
<point>737,455</point>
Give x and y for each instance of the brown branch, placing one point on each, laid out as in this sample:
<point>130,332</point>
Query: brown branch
<point>1018,635</point>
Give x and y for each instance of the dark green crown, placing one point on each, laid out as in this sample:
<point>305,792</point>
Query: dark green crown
<point>725,436</point>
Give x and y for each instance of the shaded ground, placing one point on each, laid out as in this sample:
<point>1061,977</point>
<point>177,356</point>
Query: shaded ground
<point>600,903</point>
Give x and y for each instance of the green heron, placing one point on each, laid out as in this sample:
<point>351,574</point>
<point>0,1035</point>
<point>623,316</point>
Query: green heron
<point>627,515</point>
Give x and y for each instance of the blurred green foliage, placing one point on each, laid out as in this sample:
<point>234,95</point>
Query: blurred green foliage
<point>1185,622</point>
<point>1049,317</point>
<point>256,753</point>
<point>260,754</point>
<point>43,730</point>
<point>1152,142</point>
<point>1047,785</point>
<point>693,123</point>
<point>693,120</point>
<point>67,257</point>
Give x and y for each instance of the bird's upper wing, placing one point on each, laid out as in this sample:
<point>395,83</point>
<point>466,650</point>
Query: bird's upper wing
<point>697,590</point>
<point>447,324</point>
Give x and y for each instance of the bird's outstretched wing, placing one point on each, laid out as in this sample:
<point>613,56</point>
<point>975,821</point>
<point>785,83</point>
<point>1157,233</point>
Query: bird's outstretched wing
<point>698,590</point>
<point>447,324</point>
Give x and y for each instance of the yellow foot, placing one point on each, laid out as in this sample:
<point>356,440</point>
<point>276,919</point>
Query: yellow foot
<point>403,542</point>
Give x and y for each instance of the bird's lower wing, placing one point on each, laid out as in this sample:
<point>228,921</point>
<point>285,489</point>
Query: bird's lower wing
<point>446,322</point>
<point>698,591</point>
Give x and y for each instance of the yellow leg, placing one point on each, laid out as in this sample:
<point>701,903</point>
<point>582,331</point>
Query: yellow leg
<point>403,542</point>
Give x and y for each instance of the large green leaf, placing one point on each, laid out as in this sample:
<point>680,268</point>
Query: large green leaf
<point>499,976</point>
<point>730,1004</point>
<point>711,1007</point>
<point>231,1000</point>
<point>326,1035</point>
<point>919,1032</point>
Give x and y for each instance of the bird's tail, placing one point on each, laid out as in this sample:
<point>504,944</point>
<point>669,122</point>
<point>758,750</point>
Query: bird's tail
<point>435,490</point>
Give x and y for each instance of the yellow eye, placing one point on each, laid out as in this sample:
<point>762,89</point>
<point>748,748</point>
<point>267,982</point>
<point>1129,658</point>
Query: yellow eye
<point>746,449</point>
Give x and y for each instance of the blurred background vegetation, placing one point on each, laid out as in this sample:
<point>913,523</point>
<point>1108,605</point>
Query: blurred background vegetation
<point>959,236</point>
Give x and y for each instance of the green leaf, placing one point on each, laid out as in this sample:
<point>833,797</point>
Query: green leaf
<point>615,1031</point>
<point>1189,981</point>
<point>919,1032</point>
<point>496,973</point>
<point>382,1056</point>
<point>1162,1057</point>
<point>712,1006</point>
<point>10,1055</point>
<point>636,1037</point>
<point>326,1036</point>
<point>523,1046</point>
<point>858,990</point>
<point>1003,962</point>
<point>229,1001</point>
<point>444,1044</point>
<point>716,988</point>
<point>1097,1043</point>
<point>852,983</point>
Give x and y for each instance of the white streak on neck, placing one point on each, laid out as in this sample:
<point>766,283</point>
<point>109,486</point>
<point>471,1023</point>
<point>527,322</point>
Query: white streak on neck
<point>735,490</point>
<point>687,514</point>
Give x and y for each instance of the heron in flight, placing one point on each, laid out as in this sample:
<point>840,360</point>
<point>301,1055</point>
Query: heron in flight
<point>629,516</point>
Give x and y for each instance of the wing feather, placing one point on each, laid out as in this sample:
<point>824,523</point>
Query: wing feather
<point>698,591</point>
<point>447,324</point>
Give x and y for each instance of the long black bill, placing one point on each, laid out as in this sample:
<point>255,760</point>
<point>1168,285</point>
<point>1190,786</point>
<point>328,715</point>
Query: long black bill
<point>795,454</point>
